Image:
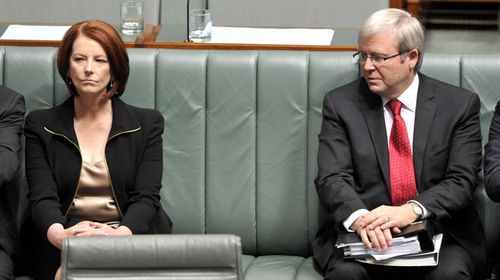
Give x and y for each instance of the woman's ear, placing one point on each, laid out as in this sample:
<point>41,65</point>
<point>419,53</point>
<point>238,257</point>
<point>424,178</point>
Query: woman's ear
<point>110,86</point>
<point>68,78</point>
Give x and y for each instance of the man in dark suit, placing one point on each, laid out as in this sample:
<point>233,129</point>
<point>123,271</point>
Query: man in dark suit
<point>12,111</point>
<point>395,147</point>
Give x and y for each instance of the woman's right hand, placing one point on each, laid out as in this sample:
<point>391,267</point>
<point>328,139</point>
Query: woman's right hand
<point>56,232</point>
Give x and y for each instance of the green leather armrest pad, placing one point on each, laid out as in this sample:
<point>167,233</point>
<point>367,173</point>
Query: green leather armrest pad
<point>153,251</point>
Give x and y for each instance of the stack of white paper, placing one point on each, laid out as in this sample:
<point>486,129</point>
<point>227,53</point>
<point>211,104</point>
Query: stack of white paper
<point>400,246</point>
<point>286,36</point>
<point>34,32</point>
<point>419,259</point>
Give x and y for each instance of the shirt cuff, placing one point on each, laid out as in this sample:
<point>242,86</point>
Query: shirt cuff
<point>425,213</point>
<point>352,218</point>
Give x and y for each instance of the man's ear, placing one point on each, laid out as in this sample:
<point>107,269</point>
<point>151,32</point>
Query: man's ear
<point>413,55</point>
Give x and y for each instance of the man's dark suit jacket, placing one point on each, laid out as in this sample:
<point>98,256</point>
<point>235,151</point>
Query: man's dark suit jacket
<point>492,158</point>
<point>12,111</point>
<point>353,162</point>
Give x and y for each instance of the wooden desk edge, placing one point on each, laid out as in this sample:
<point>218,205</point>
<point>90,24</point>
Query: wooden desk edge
<point>193,46</point>
<point>44,43</point>
<point>220,46</point>
<point>30,43</point>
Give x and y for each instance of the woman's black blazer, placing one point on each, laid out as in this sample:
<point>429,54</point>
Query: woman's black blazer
<point>134,157</point>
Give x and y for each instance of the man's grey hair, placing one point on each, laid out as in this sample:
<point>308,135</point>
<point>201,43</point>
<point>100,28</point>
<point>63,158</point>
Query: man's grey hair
<point>407,30</point>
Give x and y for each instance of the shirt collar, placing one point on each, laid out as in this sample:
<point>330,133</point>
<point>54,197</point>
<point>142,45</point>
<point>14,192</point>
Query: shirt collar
<point>409,96</point>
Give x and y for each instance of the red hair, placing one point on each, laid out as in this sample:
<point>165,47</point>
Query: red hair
<point>109,39</point>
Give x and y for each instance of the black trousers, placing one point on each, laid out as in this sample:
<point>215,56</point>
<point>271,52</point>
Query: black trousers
<point>6,266</point>
<point>454,264</point>
<point>39,259</point>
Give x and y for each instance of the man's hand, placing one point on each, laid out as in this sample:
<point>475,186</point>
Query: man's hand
<point>376,227</point>
<point>390,217</point>
<point>377,238</point>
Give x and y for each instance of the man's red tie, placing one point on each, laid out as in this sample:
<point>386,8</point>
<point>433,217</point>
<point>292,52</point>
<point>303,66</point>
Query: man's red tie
<point>402,175</point>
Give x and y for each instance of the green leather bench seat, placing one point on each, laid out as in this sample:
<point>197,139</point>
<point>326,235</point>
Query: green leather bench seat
<point>147,256</point>
<point>279,267</point>
<point>240,138</point>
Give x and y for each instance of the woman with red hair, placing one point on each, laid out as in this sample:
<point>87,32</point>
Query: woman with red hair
<point>93,163</point>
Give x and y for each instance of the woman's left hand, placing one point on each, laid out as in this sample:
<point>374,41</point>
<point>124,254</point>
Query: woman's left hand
<point>100,229</point>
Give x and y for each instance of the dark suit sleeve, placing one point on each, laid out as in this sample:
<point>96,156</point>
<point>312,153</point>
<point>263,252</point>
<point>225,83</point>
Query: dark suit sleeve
<point>144,199</point>
<point>12,110</point>
<point>492,158</point>
<point>450,192</point>
<point>335,181</point>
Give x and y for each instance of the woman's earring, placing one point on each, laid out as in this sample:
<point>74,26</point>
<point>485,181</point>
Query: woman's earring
<point>110,85</point>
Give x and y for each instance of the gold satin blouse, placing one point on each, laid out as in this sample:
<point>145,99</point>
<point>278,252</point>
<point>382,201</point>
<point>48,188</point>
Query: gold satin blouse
<point>94,199</point>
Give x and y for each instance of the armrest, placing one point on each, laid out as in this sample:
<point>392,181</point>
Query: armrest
<point>150,256</point>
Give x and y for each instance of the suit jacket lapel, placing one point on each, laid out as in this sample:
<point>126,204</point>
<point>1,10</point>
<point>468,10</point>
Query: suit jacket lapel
<point>423,120</point>
<point>62,122</point>
<point>374,117</point>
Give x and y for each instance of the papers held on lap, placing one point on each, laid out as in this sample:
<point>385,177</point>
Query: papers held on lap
<point>400,246</point>
<point>421,259</point>
<point>416,246</point>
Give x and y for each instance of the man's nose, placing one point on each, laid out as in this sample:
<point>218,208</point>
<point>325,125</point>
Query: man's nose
<point>368,64</point>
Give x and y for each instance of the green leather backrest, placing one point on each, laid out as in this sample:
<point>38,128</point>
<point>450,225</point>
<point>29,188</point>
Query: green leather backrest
<point>445,67</point>
<point>240,135</point>
<point>241,128</point>
<point>481,74</point>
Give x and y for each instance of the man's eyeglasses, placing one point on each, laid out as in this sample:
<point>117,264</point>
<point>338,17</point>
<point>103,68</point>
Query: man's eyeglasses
<point>362,57</point>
